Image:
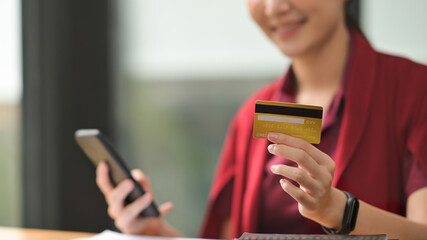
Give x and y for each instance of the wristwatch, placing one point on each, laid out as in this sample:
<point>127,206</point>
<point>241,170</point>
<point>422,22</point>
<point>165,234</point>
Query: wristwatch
<point>349,218</point>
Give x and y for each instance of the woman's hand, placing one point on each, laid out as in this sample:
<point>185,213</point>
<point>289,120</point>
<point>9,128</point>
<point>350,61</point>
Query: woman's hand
<point>317,199</point>
<point>127,218</point>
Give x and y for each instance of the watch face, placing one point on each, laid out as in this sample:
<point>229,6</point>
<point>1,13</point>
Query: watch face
<point>354,210</point>
<point>350,216</point>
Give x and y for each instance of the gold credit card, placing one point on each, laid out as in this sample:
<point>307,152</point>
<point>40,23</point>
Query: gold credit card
<point>301,121</point>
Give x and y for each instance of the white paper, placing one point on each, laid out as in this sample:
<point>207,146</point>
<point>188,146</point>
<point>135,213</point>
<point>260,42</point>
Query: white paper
<point>111,235</point>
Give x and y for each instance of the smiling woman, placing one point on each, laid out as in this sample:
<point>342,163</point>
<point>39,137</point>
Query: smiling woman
<point>180,91</point>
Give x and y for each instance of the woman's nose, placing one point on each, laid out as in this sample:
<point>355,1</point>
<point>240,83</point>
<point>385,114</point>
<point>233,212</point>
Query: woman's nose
<point>276,7</point>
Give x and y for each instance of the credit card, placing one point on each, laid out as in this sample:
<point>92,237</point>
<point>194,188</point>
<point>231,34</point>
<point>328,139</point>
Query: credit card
<point>301,121</point>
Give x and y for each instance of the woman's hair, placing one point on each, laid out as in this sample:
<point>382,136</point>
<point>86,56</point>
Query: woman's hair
<point>352,9</point>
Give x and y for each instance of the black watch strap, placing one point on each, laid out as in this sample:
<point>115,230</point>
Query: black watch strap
<point>350,216</point>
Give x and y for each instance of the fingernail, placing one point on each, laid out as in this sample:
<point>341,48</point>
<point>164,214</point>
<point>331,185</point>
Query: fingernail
<point>282,181</point>
<point>273,168</point>
<point>102,164</point>
<point>273,136</point>
<point>271,148</point>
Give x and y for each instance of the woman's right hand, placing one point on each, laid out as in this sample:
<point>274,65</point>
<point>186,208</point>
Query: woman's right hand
<point>126,217</point>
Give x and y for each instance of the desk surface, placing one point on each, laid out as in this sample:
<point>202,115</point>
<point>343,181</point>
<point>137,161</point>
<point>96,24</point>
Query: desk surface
<point>39,234</point>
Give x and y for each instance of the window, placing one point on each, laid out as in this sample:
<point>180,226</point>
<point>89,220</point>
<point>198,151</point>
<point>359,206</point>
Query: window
<point>10,120</point>
<point>405,35</point>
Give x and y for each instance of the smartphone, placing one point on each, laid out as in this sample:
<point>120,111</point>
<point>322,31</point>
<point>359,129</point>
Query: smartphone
<point>97,148</point>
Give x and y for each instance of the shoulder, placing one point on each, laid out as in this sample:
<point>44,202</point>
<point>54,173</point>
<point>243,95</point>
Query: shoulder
<point>405,84</point>
<point>390,71</point>
<point>406,74</point>
<point>403,81</point>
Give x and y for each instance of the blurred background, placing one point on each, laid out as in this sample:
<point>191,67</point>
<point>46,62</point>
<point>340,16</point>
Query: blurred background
<point>161,78</point>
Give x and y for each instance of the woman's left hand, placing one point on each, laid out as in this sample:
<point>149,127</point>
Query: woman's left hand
<point>317,199</point>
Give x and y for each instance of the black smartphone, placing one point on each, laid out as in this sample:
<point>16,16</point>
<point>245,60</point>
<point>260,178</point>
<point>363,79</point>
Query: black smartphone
<point>97,147</point>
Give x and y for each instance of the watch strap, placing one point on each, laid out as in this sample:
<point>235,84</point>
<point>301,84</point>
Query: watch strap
<point>350,216</point>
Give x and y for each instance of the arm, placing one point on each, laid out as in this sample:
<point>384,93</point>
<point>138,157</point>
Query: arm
<point>414,226</point>
<point>225,229</point>
<point>320,202</point>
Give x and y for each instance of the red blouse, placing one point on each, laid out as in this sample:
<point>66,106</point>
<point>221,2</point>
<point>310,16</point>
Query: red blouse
<point>377,137</point>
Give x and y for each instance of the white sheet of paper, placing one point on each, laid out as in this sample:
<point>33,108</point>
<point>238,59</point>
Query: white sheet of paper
<point>111,235</point>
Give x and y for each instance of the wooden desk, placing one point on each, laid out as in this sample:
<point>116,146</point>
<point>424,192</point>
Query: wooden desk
<point>9,233</point>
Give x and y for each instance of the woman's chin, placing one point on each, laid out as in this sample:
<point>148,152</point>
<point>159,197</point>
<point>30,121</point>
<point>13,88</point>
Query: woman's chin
<point>291,51</point>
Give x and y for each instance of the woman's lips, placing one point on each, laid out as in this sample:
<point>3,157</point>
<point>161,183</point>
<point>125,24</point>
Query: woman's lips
<point>288,30</point>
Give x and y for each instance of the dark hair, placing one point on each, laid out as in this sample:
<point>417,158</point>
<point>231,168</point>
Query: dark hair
<point>352,12</point>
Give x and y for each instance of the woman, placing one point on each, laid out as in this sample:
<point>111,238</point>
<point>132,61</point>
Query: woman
<point>373,136</point>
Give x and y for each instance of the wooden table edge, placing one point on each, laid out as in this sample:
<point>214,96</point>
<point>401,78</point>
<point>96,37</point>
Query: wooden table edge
<point>15,233</point>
